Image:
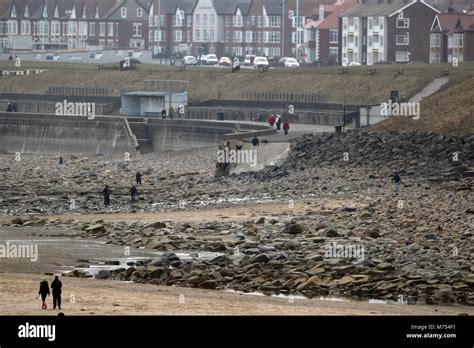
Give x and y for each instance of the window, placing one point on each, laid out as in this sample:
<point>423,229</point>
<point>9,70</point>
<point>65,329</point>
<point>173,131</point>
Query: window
<point>402,40</point>
<point>435,57</point>
<point>110,29</point>
<point>55,28</point>
<point>376,39</point>
<point>82,29</point>
<point>204,19</point>
<point>139,12</point>
<point>351,21</point>
<point>435,40</point>
<point>212,19</point>
<point>227,21</point>
<point>137,29</point>
<point>205,37</point>
<point>381,20</point>
<point>178,36</point>
<point>376,21</point>
<point>198,19</point>
<point>274,21</point>
<point>92,29</point>
<point>212,35</point>
<point>238,22</point>
<point>333,36</point>
<point>237,36</point>
<point>253,21</point>
<point>259,36</point>
<point>158,35</point>
<point>370,23</point>
<point>101,29</point>
<point>43,28</point>
<point>369,41</point>
<point>25,27</point>
<point>189,20</point>
<point>458,40</point>
<point>298,21</point>
<point>123,12</point>
<point>250,36</point>
<point>334,53</point>
<point>177,21</point>
<point>403,23</point>
<point>237,51</point>
<point>71,28</point>
<point>259,21</point>
<point>401,56</point>
<point>227,36</point>
<point>197,35</point>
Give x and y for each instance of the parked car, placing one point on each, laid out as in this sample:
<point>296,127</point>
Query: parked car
<point>249,59</point>
<point>282,60</point>
<point>189,60</point>
<point>212,59</point>
<point>202,59</point>
<point>52,56</point>
<point>96,55</point>
<point>75,58</point>
<point>260,62</point>
<point>225,61</point>
<point>291,63</point>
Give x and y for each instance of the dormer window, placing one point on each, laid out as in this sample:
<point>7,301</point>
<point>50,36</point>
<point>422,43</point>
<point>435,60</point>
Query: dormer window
<point>96,16</point>
<point>27,12</point>
<point>139,12</point>
<point>123,12</point>
<point>84,13</point>
<point>13,12</point>
<point>45,11</point>
<point>56,12</point>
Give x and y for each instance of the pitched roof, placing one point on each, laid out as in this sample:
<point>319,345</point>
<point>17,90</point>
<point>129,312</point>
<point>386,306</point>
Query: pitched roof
<point>170,6</point>
<point>332,20</point>
<point>384,7</point>
<point>229,7</point>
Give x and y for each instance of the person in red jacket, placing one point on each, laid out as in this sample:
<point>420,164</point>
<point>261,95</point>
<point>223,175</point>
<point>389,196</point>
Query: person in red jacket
<point>271,120</point>
<point>286,127</point>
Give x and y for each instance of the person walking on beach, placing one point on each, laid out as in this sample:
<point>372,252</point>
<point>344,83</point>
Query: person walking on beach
<point>271,120</point>
<point>278,122</point>
<point>396,181</point>
<point>106,193</point>
<point>138,177</point>
<point>133,193</point>
<point>286,127</point>
<point>255,142</point>
<point>44,292</point>
<point>56,286</point>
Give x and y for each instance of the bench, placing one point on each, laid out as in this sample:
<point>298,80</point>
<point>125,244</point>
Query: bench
<point>444,72</point>
<point>398,72</point>
<point>371,72</point>
<point>343,71</point>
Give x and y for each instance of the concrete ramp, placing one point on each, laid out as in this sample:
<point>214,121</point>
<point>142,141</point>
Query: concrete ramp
<point>267,155</point>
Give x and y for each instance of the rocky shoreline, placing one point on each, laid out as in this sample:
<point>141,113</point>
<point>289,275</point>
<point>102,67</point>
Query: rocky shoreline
<point>412,247</point>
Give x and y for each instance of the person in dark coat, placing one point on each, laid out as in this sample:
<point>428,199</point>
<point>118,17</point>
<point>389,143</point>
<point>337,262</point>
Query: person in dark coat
<point>56,286</point>
<point>44,292</point>
<point>138,177</point>
<point>133,193</point>
<point>106,193</point>
<point>278,122</point>
<point>255,142</point>
<point>396,181</point>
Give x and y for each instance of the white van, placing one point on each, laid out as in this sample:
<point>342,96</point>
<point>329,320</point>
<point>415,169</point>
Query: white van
<point>249,58</point>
